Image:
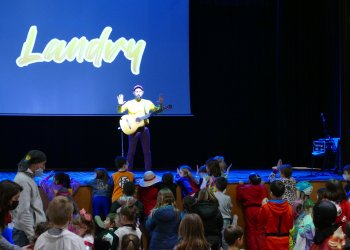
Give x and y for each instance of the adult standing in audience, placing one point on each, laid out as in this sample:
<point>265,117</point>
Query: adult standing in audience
<point>30,209</point>
<point>9,195</point>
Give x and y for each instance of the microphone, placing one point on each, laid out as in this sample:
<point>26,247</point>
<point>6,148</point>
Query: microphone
<point>323,119</point>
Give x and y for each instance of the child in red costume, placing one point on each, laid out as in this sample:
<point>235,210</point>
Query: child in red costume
<point>275,219</point>
<point>251,197</point>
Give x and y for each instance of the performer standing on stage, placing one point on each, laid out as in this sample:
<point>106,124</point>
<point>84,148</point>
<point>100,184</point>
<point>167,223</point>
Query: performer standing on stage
<point>139,107</point>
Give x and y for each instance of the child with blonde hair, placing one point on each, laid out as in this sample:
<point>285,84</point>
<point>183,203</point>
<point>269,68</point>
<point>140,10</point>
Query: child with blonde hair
<point>164,221</point>
<point>59,213</point>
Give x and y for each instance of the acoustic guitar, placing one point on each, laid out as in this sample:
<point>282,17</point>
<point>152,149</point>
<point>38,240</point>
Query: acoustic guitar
<point>130,123</point>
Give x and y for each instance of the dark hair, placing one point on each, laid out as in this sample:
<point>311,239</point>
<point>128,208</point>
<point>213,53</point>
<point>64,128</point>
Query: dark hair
<point>254,178</point>
<point>120,161</point>
<point>335,191</point>
<point>168,178</point>
<point>320,193</point>
<point>130,242</point>
<point>232,233</point>
<point>347,168</point>
<point>277,188</point>
<point>62,179</point>
<point>32,157</point>
<point>187,203</point>
<point>8,189</point>
<point>59,211</point>
<point>221,183</point>
<point>324,216</point>
<point>213,167</point>
<point>286,170</point>
<point>102,174</point>
<point>129,188</point>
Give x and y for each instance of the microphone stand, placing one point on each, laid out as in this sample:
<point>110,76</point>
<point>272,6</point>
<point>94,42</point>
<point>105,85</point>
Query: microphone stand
<point>122,141</point>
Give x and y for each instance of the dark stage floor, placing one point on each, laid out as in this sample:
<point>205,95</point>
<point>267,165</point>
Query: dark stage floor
<point>235,175</point>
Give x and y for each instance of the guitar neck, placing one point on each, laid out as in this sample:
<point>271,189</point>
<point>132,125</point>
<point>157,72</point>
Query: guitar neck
<point>144,117</point>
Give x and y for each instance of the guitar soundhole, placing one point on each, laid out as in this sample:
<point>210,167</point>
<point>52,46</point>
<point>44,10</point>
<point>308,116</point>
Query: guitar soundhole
<point>138,119</point>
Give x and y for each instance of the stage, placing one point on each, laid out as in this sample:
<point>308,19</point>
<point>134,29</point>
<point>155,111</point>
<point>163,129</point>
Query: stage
<point>235,175</point>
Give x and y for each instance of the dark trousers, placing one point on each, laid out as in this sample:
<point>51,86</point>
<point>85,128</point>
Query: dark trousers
<point>19,238</point>
<point>143,135</point>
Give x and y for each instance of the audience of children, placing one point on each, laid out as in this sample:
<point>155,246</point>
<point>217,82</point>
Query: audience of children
<point>102,186</point>
<point>163,221</point>
<point>186,181</point>
<point>127,222</point>
<point>59,213</point>
<point>191,234</point>
<point>84,226</point>
<point>206,224</point>
<point>207,207</point>
<point>251,196</point>
<point>289,182</point>
<point>225,205</point>
<point>275,220</point>
<point>120,177</point>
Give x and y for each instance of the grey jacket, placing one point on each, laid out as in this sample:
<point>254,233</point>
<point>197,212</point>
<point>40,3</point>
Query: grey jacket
<point>30,208</point>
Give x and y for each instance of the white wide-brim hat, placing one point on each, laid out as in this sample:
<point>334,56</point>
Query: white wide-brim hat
<point>149,178</point>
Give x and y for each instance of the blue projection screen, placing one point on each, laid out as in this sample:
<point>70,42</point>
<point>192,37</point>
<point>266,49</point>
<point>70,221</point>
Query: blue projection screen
<point>74,57</point>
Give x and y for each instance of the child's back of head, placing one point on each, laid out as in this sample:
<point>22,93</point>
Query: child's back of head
<point>254,178</point>
<point>102,174</point>
<point>129,188</point>
<point>221,183</point>
<point>277,188</point>
<point>131,242</point>
<point>59,211</point>
<point>286,171</point>
<point>233,235</point>
<point>120,162</point>
<point>213,167</point>
<point>63,179</point>
<point>222,163</point>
